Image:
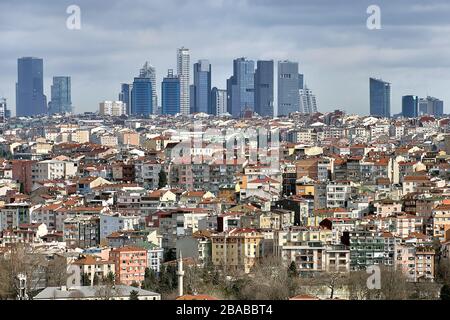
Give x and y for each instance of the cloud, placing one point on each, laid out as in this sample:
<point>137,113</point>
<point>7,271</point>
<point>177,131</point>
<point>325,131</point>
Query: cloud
<point>329,38</point>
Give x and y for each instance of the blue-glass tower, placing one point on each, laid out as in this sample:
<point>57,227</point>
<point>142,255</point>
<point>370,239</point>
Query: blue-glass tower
<point>141,97</point>
<point>30,98</point>
<point>241,87</point>
<point>380,98</point>
<point>170,88</point>
<point>264,88</point>
<point>61,96</point>
<point>202,87</point>
<point>410,106</point>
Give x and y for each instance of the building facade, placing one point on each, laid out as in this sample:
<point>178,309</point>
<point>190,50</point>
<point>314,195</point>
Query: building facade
<point>288,88</point>
<point>183,68</point>
<point>141,97</point>
<point>264,96</point>
<point>202,87</point>
<point>380,98</point>
<point>410,106</point>
<point>61,96</point>
<point>170,88</point>
<point>30,98</point>
<point>240,87</point>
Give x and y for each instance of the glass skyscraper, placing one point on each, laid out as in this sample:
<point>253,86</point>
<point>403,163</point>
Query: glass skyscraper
<point>431,106</point>
<point>241,87</point>
<point>202,87</point>
<point>141,97</point>
<point>410,106</point>
<point>288,88</point>
<point>170,88</point>
<point>61,96</point>
<point>264,88</point>
<point>148,71</point>
<point>30,98</point>
<point>219,101</point>
<point>125,96</point>
<point>380,98</point>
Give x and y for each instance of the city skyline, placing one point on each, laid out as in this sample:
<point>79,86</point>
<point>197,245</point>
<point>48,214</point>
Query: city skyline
<point>336,54</point>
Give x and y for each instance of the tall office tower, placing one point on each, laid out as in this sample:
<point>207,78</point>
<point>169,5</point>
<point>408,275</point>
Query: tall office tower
<point>241,87</point>
<point>202,87</point>
<point>170,88</point>
<point>264,88</point>
<point>148,71</point>
<point>219,101</point>
<point>30,98</point>
<point>288,88</point>
<point>192,98</point>
<point>112,108</point>
<point>301,81</point>
<point>380,98</point>
<point>141,97</point>
<point>125,96</point>
<point>61,96</point>
<point>431,106</point>
<point>3,109</point>
<point>308,102</point>
<point>183,69</point>
<point>410,106</point>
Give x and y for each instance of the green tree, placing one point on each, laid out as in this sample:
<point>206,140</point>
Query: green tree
<point>134,295</point>
<point>110,278</point>
<point>445,292</point>
<point>292,270</point>
<point>150,280</point>
<point>162,179</point>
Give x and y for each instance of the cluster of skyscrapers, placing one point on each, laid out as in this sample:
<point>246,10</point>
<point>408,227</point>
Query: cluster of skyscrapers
<point>249,89</point>
<point>412,106</point>
<point>30,97</point>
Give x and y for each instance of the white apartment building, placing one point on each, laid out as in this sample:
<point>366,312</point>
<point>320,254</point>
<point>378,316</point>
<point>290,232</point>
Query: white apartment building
<point>53,170</point>
<point>112,108</point>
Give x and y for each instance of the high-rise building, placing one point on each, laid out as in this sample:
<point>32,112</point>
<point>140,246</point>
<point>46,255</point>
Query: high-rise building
<point>241,87</point>
<point>308,102</point>
<point>170,88</point>
<point>410,106</point>
<point>61,96</point>
<point>301,81</point>
<point>183,69</point>
<point>112,108</point>
<point>125,96</point>
<point>202,87</point>
<point>148,71</point>
<point>219,101</point>
<point>192,98</point>
<point>431,106</point>
<point>380,98</point>
<point>30,98</point>
<point>264,97</point>
<point>3,109</point>
<point>141,97</point>
<point>288,88</point>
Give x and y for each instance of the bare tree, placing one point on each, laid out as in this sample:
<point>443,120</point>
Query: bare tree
<point>357,285</point>
<point>269,280</point>
<point>394,284</point>
<point>21,259</point>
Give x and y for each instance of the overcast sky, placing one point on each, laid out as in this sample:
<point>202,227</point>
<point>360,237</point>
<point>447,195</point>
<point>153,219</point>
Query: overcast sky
<point>329,38</point>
